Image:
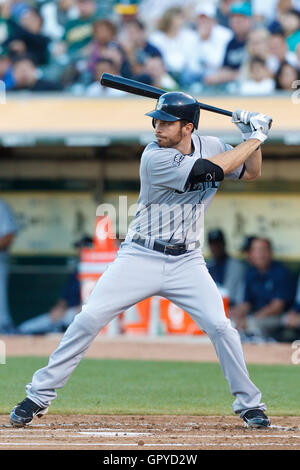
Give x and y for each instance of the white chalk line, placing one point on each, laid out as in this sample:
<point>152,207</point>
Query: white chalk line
<point>128,444</point>
<point>82,434</point>
<point>164,429</point>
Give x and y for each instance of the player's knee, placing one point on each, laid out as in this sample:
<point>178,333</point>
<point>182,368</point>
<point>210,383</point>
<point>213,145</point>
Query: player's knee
<point>219,328</point>
<point>91,319</point>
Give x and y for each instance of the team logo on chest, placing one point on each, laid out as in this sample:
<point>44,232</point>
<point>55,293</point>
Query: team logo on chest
<point>178,159</point>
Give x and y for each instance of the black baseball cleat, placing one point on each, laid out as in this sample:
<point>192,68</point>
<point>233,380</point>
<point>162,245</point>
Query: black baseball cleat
<point>256,418</point>
<point>24,412</point>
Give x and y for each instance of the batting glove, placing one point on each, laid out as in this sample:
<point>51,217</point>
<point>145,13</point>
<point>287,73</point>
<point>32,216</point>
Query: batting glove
<point>260,126</point>
<point>241,119</point>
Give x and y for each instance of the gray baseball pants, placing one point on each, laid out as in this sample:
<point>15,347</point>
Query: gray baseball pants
<point>138,273</point>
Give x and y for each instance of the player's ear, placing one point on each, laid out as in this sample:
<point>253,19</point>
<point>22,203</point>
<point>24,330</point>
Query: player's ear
<point>189,127</point>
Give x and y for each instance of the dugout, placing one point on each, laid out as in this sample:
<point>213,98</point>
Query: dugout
<point>61,156</point>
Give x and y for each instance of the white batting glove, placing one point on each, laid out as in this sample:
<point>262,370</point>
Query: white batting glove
<point>260,126</point>
<point>241,119</point>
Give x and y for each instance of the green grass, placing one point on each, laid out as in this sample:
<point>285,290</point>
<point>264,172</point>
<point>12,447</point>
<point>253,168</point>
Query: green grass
<point>150,387</point>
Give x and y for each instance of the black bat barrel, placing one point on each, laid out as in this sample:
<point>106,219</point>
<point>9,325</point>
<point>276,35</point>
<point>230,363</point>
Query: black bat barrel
<point>142,89</point>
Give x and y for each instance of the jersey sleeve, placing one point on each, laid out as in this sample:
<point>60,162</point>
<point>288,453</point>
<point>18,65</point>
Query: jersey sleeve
<point>168,168</point>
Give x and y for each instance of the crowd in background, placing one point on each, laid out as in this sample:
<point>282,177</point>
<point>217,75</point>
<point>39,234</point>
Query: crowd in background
<point>247,48</point>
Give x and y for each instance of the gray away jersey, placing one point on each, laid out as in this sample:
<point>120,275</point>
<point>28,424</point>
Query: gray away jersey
<point>168,210</point>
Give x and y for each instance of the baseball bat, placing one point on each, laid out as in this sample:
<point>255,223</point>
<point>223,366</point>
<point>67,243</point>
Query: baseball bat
<point>142,89</point>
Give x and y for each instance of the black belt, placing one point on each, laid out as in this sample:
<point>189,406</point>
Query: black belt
<point>164,247</point>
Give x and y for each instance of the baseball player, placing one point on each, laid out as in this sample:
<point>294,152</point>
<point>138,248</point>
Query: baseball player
<point>180,173</point>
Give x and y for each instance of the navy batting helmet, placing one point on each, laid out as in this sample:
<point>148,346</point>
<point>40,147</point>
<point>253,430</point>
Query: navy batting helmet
<point>176,106</point>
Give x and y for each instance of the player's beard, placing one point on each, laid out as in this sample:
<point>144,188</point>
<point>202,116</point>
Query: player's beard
<point>170,142</point>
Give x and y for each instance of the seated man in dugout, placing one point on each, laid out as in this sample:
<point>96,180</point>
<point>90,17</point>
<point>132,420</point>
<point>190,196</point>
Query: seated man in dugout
<point>268,292</point>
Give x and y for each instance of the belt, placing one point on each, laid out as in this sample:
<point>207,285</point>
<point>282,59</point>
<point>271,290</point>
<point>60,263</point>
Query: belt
<point>164,247</point>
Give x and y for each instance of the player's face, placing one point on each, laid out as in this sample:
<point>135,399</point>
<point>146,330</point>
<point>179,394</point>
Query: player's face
<point>168,134</point>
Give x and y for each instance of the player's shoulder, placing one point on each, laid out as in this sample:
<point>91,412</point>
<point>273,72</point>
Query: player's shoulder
<point>212,145</point>
<point>154,151</point>
<point>154,147</point>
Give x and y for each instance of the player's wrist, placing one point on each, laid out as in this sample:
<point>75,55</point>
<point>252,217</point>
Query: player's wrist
<point>256,138</point>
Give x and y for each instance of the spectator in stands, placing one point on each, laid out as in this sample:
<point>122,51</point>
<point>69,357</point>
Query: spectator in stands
<point>207,55</point>
<point>280,52</point>
<point>25,76</point>
<point>223,12</point>
<point>55,15</point>
<point>259,81</point>
<point>291,320</point>
<point>79,31</point>
<point>287,77</point>
<point>290,23</point>
<point>117,55</point>
<point>258,45</point>
<point>138,49</point>
<point>241,23</point>
<point>8,230</point>
<point>155,69</point>
<point>67,306</point>
<point>104,34</point>
<point>151,11</point>
<point>269,291</point>
<point>173,41</point>
<point>226,271</point>
<point>26,36</point>
<point>96,89</point>
<point>127,10</point>
<point>282,7</point>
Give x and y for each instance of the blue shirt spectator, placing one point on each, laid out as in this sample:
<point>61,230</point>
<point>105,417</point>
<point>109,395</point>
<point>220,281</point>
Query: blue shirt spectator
<point>263,287</point>
<point>241,23</point>
<point>269,291</point>
<point>235,53</point>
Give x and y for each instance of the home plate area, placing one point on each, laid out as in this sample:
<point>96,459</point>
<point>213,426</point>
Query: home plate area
<point>149,432</point>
